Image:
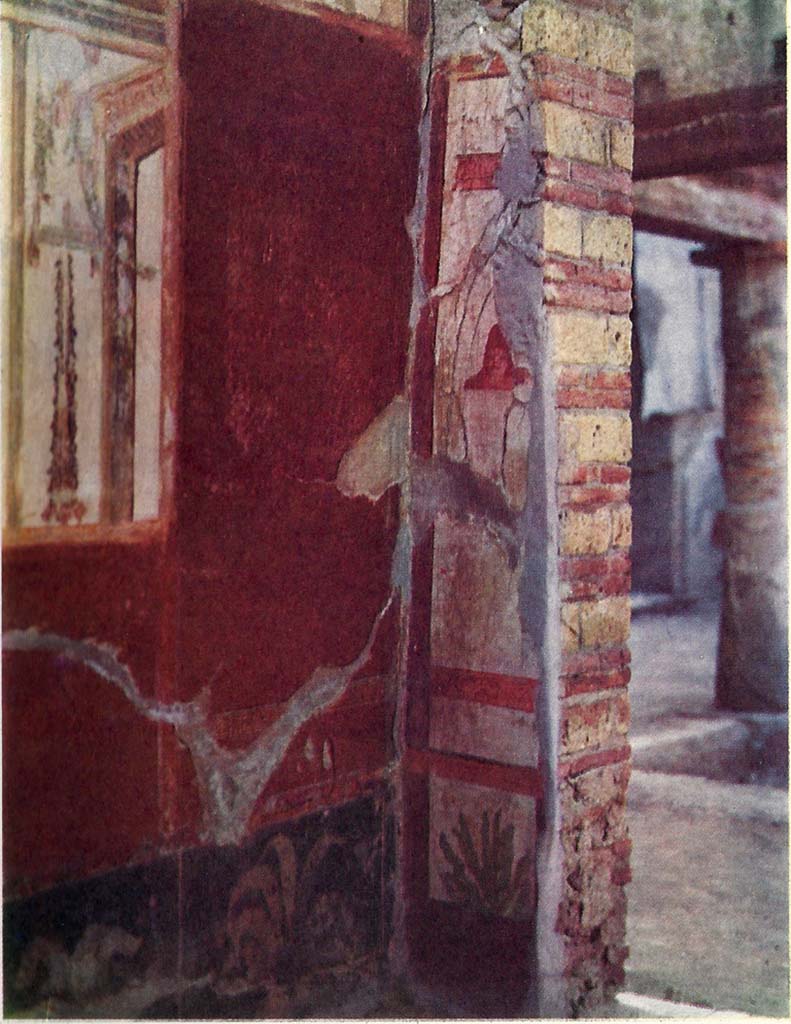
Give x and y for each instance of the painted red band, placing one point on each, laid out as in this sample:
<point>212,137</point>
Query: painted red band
<point>587,762</point>
<point>488,688</point>
<point>476,171</point>
<point>480,773</point>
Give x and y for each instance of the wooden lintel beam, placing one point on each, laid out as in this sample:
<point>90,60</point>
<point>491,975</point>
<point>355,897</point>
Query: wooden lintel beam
<point>711,132</point>
<point>705,212</point>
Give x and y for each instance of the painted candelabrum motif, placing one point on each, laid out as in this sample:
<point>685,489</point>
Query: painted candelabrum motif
<point>64,504</point>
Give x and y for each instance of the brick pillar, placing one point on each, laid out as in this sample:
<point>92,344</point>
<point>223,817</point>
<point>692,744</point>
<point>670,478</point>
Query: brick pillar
<point>581,70</point>
<point>752,664</point>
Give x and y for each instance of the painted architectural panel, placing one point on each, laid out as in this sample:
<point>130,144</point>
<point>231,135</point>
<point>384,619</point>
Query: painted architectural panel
<point>57,389</point>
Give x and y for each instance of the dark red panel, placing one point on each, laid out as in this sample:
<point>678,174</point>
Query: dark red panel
<point>300,168</point>
<point>109,592</point>
<point>80,786</point>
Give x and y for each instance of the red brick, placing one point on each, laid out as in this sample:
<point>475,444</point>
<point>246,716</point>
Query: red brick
<point>572,376</point>
<point>564,67</point>
<point>587,762</point>
<point>587,398</point>
<point>608,104</point>
<point>581,296</point>
<point>587,567</point>
<point>611,379</point>
<point>587,273</point>
<point>615,474</point>
<point>614,203</point>
<point>570,495</point>
<point>588,590</point>
<point>557,167</point>
<point>608,178</point>
<point>577,376</point>
<point>573,195</point>
<point>590,662</point>
<point>616,84</point>
<point>555,89</point>
<point>575,685</point>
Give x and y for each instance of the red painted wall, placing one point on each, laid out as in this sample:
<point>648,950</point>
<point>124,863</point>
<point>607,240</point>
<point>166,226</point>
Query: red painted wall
<point>80,766</point>
<point>300,162</point>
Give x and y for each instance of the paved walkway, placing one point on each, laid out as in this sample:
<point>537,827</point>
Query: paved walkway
<point>708,904</point>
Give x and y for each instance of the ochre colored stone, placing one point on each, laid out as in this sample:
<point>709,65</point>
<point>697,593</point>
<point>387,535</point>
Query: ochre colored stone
<point>569,627</point>
<point>622,145</point>
<point>621,526</point>
<point>548,25</point>
<point>574,134</point>
<point>579,337</point>
<point>604,623</point>
<point>603,45</point>
<point>585,533</point>
<point>562,230</point>
<point>596,437</point>
<point>595,724</point>
<point>619,329</point>
<point>608,239</point>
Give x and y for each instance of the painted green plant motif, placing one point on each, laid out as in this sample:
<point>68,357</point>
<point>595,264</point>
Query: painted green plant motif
<point>488,881</point>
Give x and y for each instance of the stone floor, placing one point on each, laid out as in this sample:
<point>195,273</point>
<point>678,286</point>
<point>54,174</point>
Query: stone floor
<point>708,904</point>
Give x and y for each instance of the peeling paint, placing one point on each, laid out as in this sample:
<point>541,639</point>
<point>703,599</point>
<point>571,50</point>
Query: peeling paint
<point>378,458</point>
<point>229,781</point>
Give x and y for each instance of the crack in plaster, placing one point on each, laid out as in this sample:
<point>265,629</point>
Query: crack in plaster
<point>229,782</point>
<point>510,242</point>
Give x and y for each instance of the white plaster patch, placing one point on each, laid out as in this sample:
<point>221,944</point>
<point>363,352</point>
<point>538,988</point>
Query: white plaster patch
<point>378,458</point>
<point>504,735</point>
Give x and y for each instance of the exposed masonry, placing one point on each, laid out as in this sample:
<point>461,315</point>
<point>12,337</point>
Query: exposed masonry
<point>229,782</point>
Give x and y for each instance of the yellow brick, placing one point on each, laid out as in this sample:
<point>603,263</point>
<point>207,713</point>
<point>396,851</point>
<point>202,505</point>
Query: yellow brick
<point>608,239</point>
<point>621,526</point>
<point>594,724</point>
<point>619,337</point>
<point>604,623</point>
<point>551,26</point>
<point>596,437</point>
<point>580,338</point>
<point>607,46</point>
<point>574,134</point>
<point>569,627</point>
<point>562,230</point>
<point>584,533</point>
<point>622,145</point>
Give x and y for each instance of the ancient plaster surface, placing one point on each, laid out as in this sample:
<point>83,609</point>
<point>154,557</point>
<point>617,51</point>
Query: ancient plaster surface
<point>229,781</point>
<point>495,277</point>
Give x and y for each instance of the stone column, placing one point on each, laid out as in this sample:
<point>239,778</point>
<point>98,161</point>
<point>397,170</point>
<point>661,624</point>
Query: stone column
<point>580,67</point>
<point>752,664</point>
